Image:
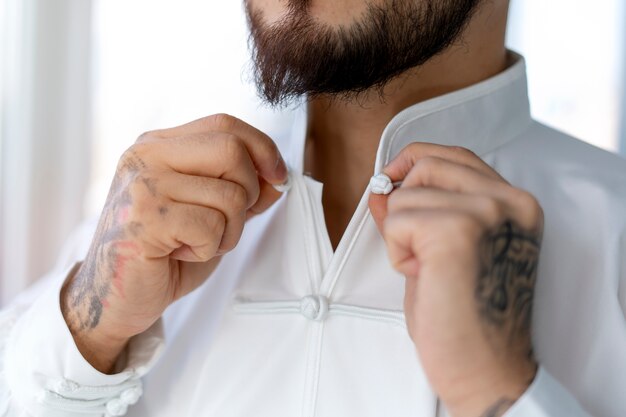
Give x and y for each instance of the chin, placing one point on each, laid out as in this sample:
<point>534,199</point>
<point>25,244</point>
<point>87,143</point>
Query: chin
<point>327,12</point>
<point>272,11</point>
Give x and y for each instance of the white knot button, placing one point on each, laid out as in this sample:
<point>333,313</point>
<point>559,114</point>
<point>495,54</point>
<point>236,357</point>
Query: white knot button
<point>314,307</point>
<point>381,184</point>
<point>283,188</point>
<point>65,385</point>
<point>117,407</point>
<point>130,396</point>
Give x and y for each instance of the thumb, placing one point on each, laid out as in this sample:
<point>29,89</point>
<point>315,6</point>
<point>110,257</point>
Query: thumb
<point>394,172</point>
<point>268,195</point>
<point>378,207</point>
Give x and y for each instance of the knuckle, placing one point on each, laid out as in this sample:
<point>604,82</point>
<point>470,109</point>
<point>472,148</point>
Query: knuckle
<point>147,136</point>
<point>411,148</point>
<point>492,208</point>
<point>233,149</point>
<point>142,193</point>
<point>426,168</point>
<point>138,194</point>
<point>134,155</point>
<point>529,205</point>
<point>428,163</point>
<point>235,196</point>
<point>216,224</point>
<point>460,150</point>
<point>523,198</point>
<point>223,121</point>
<point>126,156</point>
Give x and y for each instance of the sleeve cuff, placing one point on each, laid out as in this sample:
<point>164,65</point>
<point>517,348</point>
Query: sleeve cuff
<point>43,366</point>
<point>546,397</point>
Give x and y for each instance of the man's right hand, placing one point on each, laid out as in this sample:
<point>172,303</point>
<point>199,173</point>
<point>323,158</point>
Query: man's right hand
<point>179,200</point>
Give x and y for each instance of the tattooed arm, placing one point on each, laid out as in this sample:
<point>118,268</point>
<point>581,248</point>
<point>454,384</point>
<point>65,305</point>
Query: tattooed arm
<point>468,243</point>
<point>179,200</point>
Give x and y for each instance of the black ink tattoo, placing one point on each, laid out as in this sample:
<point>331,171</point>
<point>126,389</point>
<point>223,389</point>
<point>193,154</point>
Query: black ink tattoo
<point>85,295</point>
<point>499,408</point>
<point>150,184</point>
<point>505,287</point>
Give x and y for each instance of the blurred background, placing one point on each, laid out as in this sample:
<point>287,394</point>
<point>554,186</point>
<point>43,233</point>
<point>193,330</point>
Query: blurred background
<point>81,79</point>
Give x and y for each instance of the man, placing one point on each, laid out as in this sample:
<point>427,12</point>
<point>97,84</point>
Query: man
<point>224,280</point>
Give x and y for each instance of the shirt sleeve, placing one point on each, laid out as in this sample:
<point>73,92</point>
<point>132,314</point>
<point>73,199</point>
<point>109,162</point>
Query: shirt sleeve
<point>546,397</point>
<point>42,372</point>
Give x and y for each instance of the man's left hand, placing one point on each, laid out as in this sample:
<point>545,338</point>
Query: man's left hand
<point>468,243</point>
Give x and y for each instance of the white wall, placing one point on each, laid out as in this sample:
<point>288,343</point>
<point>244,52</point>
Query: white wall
<point>45,133</point>
<point>574,51</point>
<point>623,82</point>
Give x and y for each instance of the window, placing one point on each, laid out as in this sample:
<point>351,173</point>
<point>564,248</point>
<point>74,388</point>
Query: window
<point>574,52</point>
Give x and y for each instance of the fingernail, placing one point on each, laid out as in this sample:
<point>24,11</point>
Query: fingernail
<point>286,186</point>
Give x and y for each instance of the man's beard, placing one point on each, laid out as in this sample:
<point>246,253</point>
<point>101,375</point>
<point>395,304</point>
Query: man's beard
<point>299,56</point>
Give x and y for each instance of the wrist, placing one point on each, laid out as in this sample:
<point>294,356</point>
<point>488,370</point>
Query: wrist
<point>97,346</point>
<point>491,393</point>
<point>100,351</point>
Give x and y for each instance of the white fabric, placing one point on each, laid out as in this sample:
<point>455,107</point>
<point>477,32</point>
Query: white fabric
<point>285,327</point>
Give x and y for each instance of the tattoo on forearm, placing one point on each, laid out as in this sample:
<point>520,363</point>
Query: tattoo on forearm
<point>499,408</point>
<point>103,270</point>
<point>505,286</point>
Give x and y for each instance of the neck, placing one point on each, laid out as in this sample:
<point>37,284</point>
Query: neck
<point>343,136</point>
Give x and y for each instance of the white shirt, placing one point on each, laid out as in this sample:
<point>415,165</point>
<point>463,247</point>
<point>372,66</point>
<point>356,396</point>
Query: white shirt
<point>285,327</point>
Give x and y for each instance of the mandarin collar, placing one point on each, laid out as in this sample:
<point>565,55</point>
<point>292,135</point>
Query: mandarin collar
<point>481,118</point>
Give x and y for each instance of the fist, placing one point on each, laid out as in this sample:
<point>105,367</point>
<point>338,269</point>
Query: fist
<point>468,243</point>
<point>179,200</point>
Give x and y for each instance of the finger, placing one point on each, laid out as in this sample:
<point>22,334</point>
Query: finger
<point>228,197</point>
<point>440,173</point>
<point>189,232</point>
<point>215,155</point>
<point>434,172</point>
<point>519,205</point>
<point>262,149</point>
<point>193,274</point>
<point>378,208</point>
<point>267,197</point>
<point>403,257</point>
<point>490,212</point>
<point>402,164</point>
<point>413,234</point>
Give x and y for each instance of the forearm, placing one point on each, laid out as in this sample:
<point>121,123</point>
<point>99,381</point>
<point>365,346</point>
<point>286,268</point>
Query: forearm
<point>100,350</point>
<point>494,395</point>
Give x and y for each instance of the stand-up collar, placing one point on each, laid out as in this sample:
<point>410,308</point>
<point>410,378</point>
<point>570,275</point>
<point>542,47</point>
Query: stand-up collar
<point>481,117</point>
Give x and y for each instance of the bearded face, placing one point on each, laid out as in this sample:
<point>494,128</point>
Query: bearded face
<point>305,48</point>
